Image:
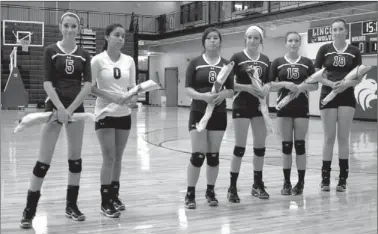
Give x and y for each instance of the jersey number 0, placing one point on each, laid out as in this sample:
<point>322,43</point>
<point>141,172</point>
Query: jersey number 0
<point>116,73</point>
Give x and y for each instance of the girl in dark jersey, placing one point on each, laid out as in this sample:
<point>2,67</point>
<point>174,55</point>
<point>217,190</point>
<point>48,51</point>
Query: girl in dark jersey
<point>288,73</point>
<point>245,111</point>
<point>201,73</point>
<point>66,66</point>
<point>338,58</point>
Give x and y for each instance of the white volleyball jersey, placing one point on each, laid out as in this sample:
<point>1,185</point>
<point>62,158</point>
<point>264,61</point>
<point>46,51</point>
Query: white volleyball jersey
<point>113,77</point>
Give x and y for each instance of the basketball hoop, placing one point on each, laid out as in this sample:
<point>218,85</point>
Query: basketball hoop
<point>25,43</point>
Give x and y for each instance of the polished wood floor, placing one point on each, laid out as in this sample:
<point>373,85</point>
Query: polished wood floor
<point>153,183</point>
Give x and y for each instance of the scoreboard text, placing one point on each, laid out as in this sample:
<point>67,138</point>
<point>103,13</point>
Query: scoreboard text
<point>364,36</point>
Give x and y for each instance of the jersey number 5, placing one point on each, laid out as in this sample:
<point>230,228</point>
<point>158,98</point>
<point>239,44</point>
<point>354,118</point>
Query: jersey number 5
<point>116,73</point>
<point>339,61</point>
<point>292,73</point>
<point>69,66</point>
<point>212,76</point>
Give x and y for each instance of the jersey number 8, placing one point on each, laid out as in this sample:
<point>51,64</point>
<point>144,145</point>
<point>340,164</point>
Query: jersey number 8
<point>292,73</point>
<point>69,66</point>
<point>339,61</point>
<point>212,76</point>
<point>116,73</point>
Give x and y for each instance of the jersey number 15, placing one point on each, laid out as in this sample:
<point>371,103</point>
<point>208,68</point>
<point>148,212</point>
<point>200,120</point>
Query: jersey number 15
<point>292,73</point>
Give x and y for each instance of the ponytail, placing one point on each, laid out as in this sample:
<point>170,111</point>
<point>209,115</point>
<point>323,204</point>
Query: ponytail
<point>105,47</point>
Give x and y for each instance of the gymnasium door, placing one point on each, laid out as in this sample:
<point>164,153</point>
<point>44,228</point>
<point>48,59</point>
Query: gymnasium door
<point>171,86</point>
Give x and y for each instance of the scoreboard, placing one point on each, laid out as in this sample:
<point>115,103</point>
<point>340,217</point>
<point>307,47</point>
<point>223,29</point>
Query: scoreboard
<point>364,35</point>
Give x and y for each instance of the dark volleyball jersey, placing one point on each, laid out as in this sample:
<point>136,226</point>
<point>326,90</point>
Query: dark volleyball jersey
<point>242,61</point>
<point>337,63</point>
<point>295,72</point>
<point>201,75</point>
<point>66,70</point>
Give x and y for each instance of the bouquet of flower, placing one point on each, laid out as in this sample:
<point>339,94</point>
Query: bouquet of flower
<point>45,117</point>
<point>221,78</point>
<point>316,77</point>
<point>356,74</point>
<point>146,86</point>
<point>256,82</point>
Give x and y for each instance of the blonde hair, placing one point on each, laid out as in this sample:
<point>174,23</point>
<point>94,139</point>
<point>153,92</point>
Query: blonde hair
<point>72,15</point>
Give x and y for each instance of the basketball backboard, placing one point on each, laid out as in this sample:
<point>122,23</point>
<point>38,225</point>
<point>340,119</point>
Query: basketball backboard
<point>14,30</point>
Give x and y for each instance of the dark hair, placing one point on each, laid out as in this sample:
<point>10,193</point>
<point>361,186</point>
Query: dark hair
<point>71,14</point>
<point>108,30</point>
<point>292,32</point>
<point>342,21</point>
<point>207,31</point>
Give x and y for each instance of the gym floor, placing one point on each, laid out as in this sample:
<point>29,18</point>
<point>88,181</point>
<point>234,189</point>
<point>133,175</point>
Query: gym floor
<point>153,183</point>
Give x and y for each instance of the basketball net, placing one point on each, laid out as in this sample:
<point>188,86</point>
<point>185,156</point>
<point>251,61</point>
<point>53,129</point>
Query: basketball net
<point>24,42</point>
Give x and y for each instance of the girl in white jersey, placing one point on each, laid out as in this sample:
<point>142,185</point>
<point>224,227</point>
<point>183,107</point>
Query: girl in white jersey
<point>111,69</point>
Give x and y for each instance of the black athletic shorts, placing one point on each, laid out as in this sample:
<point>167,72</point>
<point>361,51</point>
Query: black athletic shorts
<point>217,121</point>
<point>50,106</point>
<point>123,122</point>
<point>246,113</point>
<point>294,112</point>
<point>345,98</point>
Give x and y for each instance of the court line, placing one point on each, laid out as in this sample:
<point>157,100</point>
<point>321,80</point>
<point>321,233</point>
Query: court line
<point>161,145</point>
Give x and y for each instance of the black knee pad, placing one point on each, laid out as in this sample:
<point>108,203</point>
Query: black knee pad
<point>300,147</point>
<point>287,147</point>
<point>74,165</point>
<point>259,152</point>
<point>197,159</point>
<point>40,169</point>
<point>212,159</point>
<point>239,151</point>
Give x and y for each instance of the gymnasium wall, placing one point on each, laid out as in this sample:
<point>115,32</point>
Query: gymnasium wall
<point>141,7</point>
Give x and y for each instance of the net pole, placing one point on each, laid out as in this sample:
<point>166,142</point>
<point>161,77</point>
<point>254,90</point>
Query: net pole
<point>13,58</point>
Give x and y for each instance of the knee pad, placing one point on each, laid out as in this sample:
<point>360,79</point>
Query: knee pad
<point>300,147</point>
<point>74,165</point>
<point>40,169</point>
<point>197,159</point>
<point>287,147</point>
<point>212,159</point>
<point>239,151</point>
<point>259,152</point>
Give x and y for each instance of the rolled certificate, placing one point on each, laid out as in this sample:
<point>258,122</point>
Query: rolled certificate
<point>221,78</point>
<point>44,117</point>
<point>316,77</point>
<point>143,87</point>
<point>356,74</point>
<point>256,82</point>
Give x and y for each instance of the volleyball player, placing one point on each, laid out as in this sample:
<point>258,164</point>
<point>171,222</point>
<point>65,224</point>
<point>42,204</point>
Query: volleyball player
<point>246,111</point>
<point>110,69</point>
<point>201,74</point>
<point>287,74</point>
<point>66,66</point>
<point>338,58</point>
